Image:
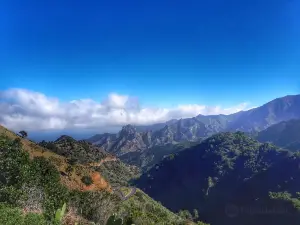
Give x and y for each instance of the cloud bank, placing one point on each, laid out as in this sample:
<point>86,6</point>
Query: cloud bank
<point>29,110</point>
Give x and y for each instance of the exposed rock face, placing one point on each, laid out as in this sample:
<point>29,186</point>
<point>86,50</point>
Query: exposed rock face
<point>136,140</point>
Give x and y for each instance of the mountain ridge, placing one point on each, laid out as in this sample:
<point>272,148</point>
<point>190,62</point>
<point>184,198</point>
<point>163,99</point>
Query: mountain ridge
<point>284,134</point>
<point>227,168</point>
<point>199,127</point>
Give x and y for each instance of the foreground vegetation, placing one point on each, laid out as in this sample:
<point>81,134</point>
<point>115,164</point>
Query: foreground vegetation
<point>33,187</point>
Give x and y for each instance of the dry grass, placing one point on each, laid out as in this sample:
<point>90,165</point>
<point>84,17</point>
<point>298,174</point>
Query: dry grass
<point>71,180</point>
<point>72,217</point>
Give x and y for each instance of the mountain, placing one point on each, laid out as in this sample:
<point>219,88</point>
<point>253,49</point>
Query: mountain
<point>35,182</point>
<point>285,134</point>
<point>142,149</point>
<point>82,152</point>
<point>278,110</point>
<point>155,127</point>
<point>153,155</point>
<point>78,151</point>
<point>228,170</point>
<point>132,141</point>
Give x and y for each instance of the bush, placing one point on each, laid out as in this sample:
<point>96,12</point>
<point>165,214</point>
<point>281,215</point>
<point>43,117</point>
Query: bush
<point>34,219</point>
<point>10,216</point>
<point>94,206</point>
<point>14,216</point>
<point>21,176</point>
<point>87,180</point>
<point>23,133</point>
<point>69,169</point>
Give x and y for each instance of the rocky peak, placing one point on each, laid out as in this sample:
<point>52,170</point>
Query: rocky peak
<point>128,130</point>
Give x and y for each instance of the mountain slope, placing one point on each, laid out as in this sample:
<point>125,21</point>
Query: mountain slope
<point>77,151</point>
<point>135,140</point>
<point>225,168</point>
<point>153,155</point>
<point>36,180</point>
<point>275,111</point>
<point>109,166</point>
<point>285,134</point>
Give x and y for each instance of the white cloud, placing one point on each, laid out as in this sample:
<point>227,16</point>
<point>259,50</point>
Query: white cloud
<point>25,109</point>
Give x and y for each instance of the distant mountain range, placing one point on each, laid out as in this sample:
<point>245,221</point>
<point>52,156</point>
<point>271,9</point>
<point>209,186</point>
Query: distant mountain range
<point>132,141</point>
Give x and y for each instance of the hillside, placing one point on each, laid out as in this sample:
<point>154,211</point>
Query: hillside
<point>226,168</point>
<point>37,182</point>
<point>285,134</point>
<point>132,141</point>
<point>143,149</point>
<point>153,155</point>
<point>76,151</point>
<point>112,169</point>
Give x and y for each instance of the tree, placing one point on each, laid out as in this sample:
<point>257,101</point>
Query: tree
<point>87,180</point>
<point>23,133</point>
<point>185,214</point>
<point>196,214</point>
<point>210,184</point>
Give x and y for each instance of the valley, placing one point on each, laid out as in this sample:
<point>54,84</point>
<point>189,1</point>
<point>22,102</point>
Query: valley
<point>202,170</point>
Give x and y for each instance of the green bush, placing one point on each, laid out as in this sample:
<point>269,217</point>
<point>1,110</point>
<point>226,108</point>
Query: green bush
<point>10,216</point>
<point>87,180</point>
<point>18,171</point>
<point>34,219</point>
<point>14,216</point>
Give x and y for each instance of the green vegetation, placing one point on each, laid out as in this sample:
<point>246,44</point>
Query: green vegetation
<point>87,180</point>
<point>141,209</point>
<point>76,151</point>
<point>285,197</point>
<point>152,156</point>
<point>118,173</point>
<point>225,168</point>
<point>185,214</point>
<point>60,213</point>
<point>33,185</point>
<point>113,220</point>
<point>13,216</point>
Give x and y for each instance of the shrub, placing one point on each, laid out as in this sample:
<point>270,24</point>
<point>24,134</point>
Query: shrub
<point>13,216</point>
<point>69,169</point>
<point>10,216</point>
<point>87,180</point>
<point>34,219</point>
<point>23,133</point>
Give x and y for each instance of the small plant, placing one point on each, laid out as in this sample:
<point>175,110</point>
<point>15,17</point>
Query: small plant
<point>113,220</point>
<point>72,161</point>
<point>60,213</point>
<point>87,180</point>
<point>17,140</point>
<point>171,156</point>
<point>23,133</point>
<point>69,170</point>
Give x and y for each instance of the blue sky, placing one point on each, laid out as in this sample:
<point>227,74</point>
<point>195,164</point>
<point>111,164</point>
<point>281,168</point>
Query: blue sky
<point>216,52</point>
